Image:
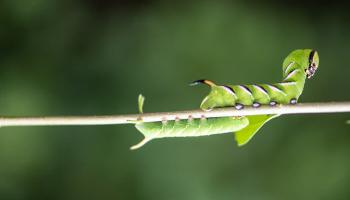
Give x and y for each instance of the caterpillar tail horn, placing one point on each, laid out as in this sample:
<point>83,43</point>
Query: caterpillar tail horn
<point>203,81</point>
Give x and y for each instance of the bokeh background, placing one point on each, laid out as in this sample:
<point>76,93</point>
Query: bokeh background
<point>93,57</point>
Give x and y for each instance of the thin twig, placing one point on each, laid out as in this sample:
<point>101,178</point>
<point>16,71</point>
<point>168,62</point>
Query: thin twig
<point>302,108</point>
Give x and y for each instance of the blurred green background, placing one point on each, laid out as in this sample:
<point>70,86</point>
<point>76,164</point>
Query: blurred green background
<point>94,57</point>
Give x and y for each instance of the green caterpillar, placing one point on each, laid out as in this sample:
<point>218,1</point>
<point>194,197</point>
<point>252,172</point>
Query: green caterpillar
<point>297,66</point>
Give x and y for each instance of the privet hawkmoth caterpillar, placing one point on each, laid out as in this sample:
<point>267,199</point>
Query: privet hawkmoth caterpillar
<point>297,66</point>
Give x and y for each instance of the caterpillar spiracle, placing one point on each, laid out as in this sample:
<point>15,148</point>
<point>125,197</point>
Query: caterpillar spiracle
<point>297,66</point>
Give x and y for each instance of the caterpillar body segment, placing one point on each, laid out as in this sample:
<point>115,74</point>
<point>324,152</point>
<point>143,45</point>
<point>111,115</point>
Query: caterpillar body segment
<point>299,65</point>
<point>191,127</point>
<point>223,97</point>
<point>187,127</point>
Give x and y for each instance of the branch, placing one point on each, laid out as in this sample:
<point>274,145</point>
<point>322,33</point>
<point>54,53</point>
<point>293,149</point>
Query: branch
<point>302,108</point>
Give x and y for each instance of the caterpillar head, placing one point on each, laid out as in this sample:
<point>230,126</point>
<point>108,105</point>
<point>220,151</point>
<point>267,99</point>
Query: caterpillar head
<point>306,58</point>
<point>313,64</point>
